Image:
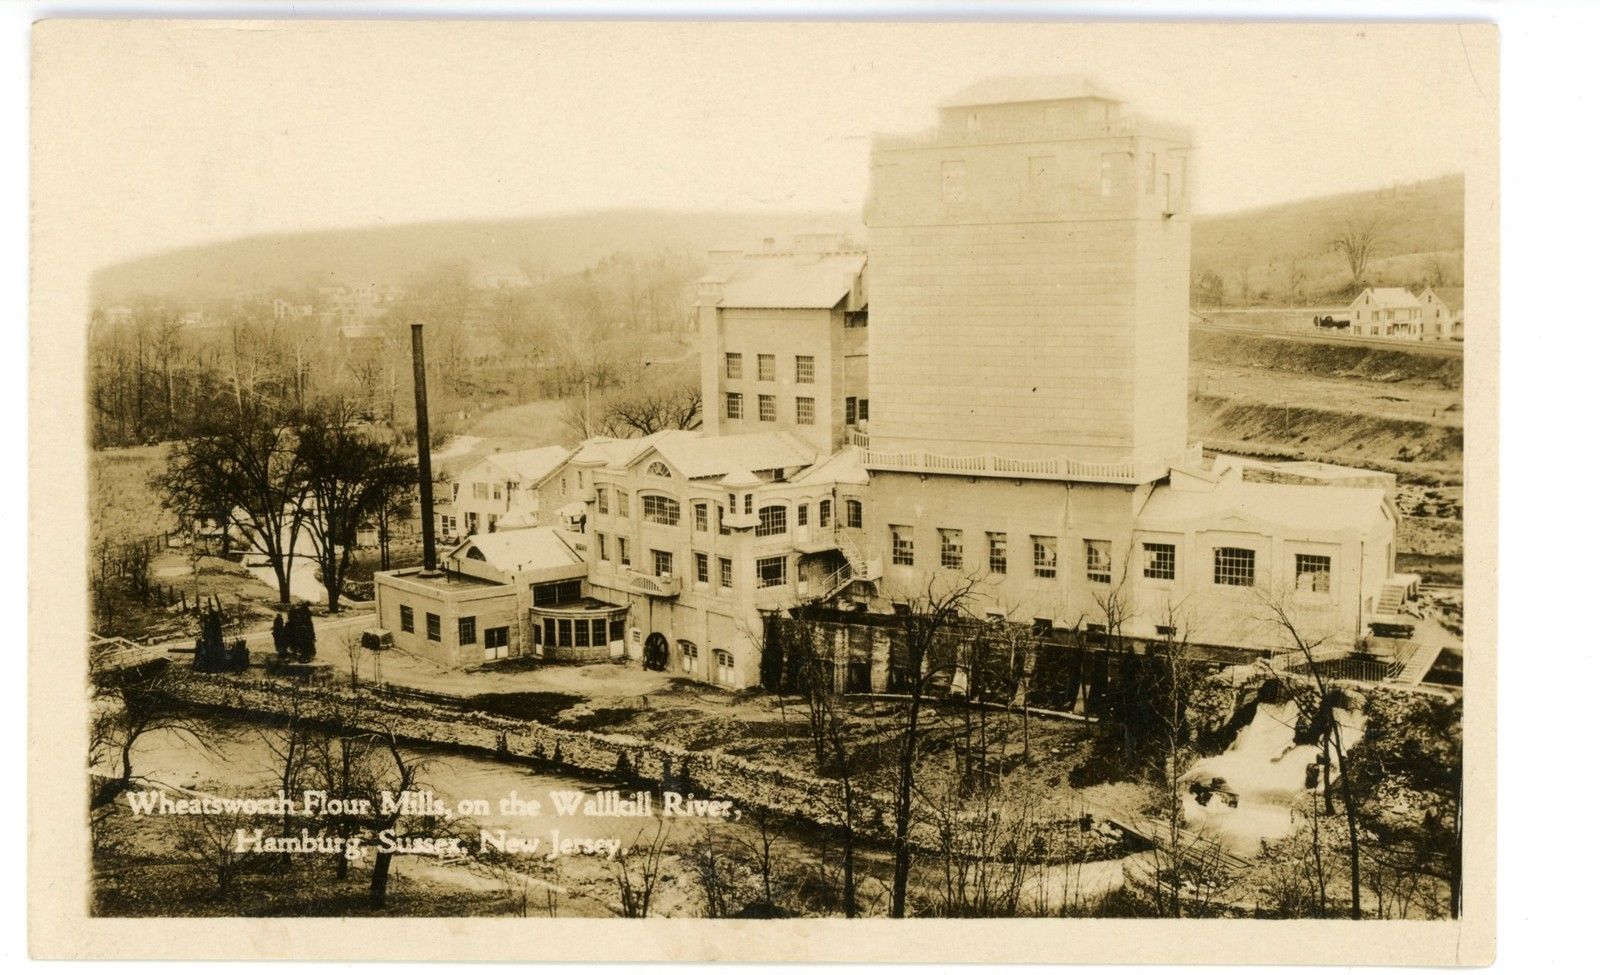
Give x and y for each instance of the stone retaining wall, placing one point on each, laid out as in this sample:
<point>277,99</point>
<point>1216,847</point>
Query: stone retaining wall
<point>708,774</point>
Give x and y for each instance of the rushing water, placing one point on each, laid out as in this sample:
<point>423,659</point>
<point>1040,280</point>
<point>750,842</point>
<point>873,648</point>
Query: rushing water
<point>1266,771</point>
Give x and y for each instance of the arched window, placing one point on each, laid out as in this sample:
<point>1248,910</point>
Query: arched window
<point>724,668</point>
<point>773,520</point>
<point>688,653</point>
<point>658,469</point>
<point>659,509</point>
<point>824,513</point>
<point>474,553</point>
<point>852,513</point>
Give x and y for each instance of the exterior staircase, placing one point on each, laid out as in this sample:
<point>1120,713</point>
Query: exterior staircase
<point>1417,667</point>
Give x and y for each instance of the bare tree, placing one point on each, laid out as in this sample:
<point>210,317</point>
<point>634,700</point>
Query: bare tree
<point>638,871</point>
<point>125,708</point>
<point>1356,241</point>
<point>1317,701</point>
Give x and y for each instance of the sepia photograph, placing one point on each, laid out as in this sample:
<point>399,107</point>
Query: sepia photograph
<point>770,472</point>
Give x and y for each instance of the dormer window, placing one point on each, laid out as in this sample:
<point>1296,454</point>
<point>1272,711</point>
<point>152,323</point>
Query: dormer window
<point>658,469</point>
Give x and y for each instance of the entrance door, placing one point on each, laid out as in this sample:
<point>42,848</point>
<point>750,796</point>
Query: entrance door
<point>496,642</point>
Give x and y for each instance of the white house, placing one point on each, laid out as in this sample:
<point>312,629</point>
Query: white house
<point>1443,314</point>
<point>516,489</point>
<point>1386,312</point>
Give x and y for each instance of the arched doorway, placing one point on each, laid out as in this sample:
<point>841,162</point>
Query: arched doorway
<point>656,652</point>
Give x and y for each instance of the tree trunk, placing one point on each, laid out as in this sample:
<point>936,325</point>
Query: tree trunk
<point>902,803</point>
<point>379,891</point>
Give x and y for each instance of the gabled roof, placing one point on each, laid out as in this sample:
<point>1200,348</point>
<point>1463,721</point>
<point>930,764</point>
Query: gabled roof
<point>1026,88</point>
<point>843,467</point>
<point>613,451</point>
<point>521,550</point>
<point>695,455</point>
<point>1391,297</point>
<point>791,281</point>
<point>529,466</point>
<point>1454,298</point>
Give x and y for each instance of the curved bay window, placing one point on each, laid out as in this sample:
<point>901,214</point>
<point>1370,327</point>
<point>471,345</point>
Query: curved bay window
<point>588,630</point>
<point>659,509</point>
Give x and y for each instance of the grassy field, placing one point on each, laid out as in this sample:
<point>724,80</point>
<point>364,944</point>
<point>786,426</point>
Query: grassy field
<point>123,506</point>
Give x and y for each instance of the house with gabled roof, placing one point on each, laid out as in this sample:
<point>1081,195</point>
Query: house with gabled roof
<point>1387,313</point>
<point>513,489</point>
<point>1443,314</point>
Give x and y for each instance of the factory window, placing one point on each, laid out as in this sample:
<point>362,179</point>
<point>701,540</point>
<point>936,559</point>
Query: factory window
<point>1097,559</point>
<point>849,411</point>
<point>772,571</point>
<point>689,653</point>
<point>602,499</point>
<point>901,544</point>
<point>702,567</point>
<point>661,562</point>
<point>408,620</point>
<point>659,510</point>
<point>1160,561</point>
<point>563,633</point>
<point>467,630</point>
<point>735,363</point>
<point>954,181</point>
<point>802,514</point>
<point>768,405</point>
<point>774,520</point>
<point>1313,573</point>
<point>722,525</point>
<point>600,541</point>
<point>433,627</point>
<point>580,633</point>
<point>805,410</point>
<point>735,406</point>
<point>701,517</point>
<point>805,369</point>
<point>622,504</point>
<point>1234,566</point>
<point>997,552</point>
<point>724,667</point>
<point>824,513</point>
<point>766,367</point>
<point>861,410</point>
<point>747,502</point>
<point>852,513</point>
<point>623,556</point>
<point>598,628</point>
<point>950,555</point>
<point>1111,164</point>
<point>725,573</point>
<point>1044,556</point>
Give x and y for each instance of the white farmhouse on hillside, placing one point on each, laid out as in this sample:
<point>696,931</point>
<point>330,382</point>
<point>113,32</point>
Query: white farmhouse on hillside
<point>1443,314</point>
<point>1386,312</point>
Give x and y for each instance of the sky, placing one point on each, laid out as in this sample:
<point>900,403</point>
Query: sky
<point>187,132</point>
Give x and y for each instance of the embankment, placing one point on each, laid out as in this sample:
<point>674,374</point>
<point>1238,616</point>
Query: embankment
<point>1406,446</point>
<point>1419,364</point>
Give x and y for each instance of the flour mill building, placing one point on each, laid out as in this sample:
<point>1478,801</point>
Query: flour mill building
<point>995,389</point>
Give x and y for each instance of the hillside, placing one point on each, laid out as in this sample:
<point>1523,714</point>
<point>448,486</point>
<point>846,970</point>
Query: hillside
<point>536,246</point>
<point>1422,234</point>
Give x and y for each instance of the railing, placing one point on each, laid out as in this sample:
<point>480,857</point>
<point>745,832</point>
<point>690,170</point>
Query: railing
<point>1054,468</point>
<point>649,585</point>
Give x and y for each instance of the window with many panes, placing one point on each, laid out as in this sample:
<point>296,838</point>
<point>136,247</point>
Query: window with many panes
<point>602,499</point>
<point>624,557</point>
<point>1313,573</point>
<point>773,519</point>
<point>766,367</point>
<point>772,571</point>
<point>1097,559</point>
<point>735,406</point>
<point>1160,560</point>
<point>467,630</point>
<point>661,562</point>
<point>997,552</point>
<point>722,525</point>
<point>805,369</point>
<point>852,513</point>
<point>702,521</point>
<point>433,627</point>
<point>901,545</point>
<point>768,406</point>
<point>950,548</point>
<point>480,492</point>
<point>1044,556</point>
<point>702,567</point>
<point>849,411</point>
<point>408,620</point>
<point>802,514</point>
<point>622,503</point>
<point>805,410</point>
<point>735,363</point>
<point>1233,566</point>
<point>659,510</point>
<point>824,513</point>
<point>600,543</point>
<point>725,573</point>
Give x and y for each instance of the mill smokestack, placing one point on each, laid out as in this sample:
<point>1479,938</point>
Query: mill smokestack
<point>419,378</point>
